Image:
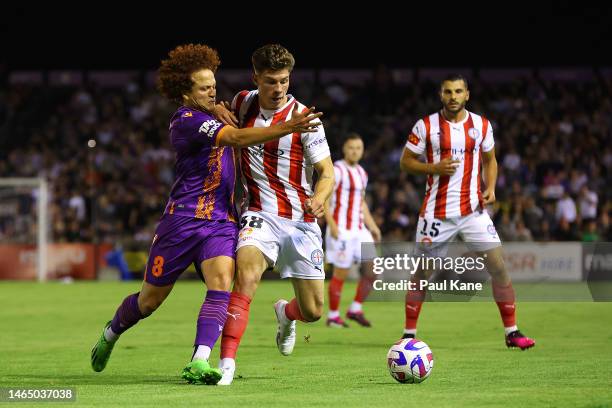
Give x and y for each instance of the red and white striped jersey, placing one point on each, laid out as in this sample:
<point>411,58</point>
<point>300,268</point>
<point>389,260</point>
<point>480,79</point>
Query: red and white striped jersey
<point>460,194</point>
<point>277,175</point>
<point>349,190</point>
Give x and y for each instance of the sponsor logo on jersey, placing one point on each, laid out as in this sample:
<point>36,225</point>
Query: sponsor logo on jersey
<point>259,150</point>
<point>245,232</point>
<point>316,142</point>
<point>209,127</point>
<point>414,139</point>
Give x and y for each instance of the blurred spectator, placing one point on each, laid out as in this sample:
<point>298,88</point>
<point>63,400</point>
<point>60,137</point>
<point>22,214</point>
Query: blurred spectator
<point>522,232</point>
<point>587,202</point>
<point>77,203</point>
<point>590,233</point>
<point>548,148</point>
<point>566,209</point>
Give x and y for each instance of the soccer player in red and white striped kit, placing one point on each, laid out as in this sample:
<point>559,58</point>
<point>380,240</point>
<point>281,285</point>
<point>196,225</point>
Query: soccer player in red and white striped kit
<point>349,224</point>
<point>279,227</point>
<point>454,142</point>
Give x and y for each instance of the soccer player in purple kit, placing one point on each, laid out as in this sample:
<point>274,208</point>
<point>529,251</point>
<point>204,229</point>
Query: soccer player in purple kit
<point>199,222</point>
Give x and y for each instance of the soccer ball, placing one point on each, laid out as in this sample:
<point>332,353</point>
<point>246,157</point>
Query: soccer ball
<point>410,361</point>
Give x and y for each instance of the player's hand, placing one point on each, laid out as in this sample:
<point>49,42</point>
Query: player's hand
<point>446,167</point>
<point>314,207</point>
<point>301,122</point>
<point>333,230</point>
<point>225,115</point>
<point>488,196</point>
<point>376,234</point>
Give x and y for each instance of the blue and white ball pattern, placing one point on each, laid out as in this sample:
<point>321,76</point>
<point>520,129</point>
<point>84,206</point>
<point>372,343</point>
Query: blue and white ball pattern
<point>410,361</point>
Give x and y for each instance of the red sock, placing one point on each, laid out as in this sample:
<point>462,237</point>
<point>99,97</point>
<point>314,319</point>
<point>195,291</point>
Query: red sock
<point>235,325</point>
<point>335,291</point>
<point>363,288</point>
<point>504,297</point>
<point>292,311</point>
<point>414,301</point>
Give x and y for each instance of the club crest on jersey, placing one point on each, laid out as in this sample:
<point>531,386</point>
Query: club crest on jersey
<point>414,139</point>
<point>491,229</point>
<point>317,257</point>
<point>187,115</point>
<point>473,133</point>
<point>209,127</point>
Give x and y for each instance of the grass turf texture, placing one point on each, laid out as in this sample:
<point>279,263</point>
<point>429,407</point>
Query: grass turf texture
<point>49,329</point>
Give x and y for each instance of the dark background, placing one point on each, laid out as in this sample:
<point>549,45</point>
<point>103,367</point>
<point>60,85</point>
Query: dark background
<point>490,34</point>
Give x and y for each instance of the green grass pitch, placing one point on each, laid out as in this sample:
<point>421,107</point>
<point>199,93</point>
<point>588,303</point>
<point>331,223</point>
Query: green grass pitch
<point>48,331</point>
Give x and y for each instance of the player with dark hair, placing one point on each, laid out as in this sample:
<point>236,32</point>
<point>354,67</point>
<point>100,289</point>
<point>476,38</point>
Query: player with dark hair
<point>199,222</point>
<point>279,227</point>
<point>455,142</point>
<point>349,225</point>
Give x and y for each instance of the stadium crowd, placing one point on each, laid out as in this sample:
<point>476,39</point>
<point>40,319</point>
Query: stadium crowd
<point>552,142</point>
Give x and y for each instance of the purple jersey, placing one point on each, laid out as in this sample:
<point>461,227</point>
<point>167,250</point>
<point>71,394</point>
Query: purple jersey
<point>205,173</point>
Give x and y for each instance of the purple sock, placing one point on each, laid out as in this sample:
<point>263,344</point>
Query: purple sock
<point>127,315</point>
<point>212,318</point>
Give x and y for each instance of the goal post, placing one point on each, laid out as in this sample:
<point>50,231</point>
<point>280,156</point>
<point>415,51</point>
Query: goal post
<point>35,193</point>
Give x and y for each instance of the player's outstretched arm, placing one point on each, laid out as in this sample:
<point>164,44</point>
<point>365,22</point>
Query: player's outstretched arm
<point>300,122</point>
<point>323,189</point>
<point>410,162</point>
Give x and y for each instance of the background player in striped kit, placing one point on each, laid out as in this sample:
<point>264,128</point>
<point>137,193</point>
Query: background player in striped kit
<point>279,225</point>
<point>349,224</point>
<point>454,142</point>
<point>199,223</point>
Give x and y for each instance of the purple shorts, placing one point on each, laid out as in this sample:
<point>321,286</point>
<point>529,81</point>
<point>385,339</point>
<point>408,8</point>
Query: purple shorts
<point>180,241</point>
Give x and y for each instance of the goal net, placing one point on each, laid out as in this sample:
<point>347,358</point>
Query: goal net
<point>24,228</point>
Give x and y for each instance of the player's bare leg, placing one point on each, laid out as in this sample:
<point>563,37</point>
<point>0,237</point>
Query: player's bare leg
<point>251,264</point>
<point>503,293</point>
<point>134,308</point>
<point>364,287</point>
<point>307,306</point>
<point>334,293</point>
<point>218,273</point>
<point>309,298</point>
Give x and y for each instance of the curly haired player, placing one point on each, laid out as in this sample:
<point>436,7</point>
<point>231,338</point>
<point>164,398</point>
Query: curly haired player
<point>199,222</point>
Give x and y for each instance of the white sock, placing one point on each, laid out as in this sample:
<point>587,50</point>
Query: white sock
<point>410,331</point>
<point>332,314</point>
<point>510,329</point>
<point>227,364</point>
<point>355,307</point>
<point>110,335</point>
<point>201,353</point>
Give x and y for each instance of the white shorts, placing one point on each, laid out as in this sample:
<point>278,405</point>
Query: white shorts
<point>476,230</point>
<point>346,250</point>
<point>294,248</point>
